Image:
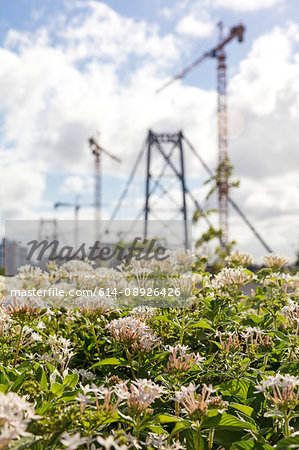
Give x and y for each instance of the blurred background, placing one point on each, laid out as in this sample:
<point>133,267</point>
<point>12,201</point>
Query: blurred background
<point>75,70</point>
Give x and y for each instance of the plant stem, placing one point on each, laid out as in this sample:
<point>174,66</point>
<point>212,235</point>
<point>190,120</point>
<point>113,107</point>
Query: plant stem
<point>177,413</point>
<point>130,362</point>
<point>183,327</point>
<point>18,344</point>
<point>137,427</point>
<point>211,438</point>
<point>286,425</point>
<point>95,338</point>
<point>198,426</point>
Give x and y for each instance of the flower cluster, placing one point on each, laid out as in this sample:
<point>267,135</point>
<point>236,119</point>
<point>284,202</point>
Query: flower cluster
<point>139,395</point>
<point>23,309</point>
<point>232,344</point>
<point>291,315</point>
<point>275,261</point>
<point>231,277</point>
<point>15,415</point>
<point>237,258</point>
<point>61,350</point>
<point>197,406</point>
<point>281,390</point>
<point>181,362</point>
<point>134,333</point>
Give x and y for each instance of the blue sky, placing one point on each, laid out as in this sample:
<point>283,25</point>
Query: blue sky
<point>69,69</point>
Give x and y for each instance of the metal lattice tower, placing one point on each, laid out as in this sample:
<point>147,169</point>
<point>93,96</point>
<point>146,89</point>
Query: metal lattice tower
<point>222,175</point>
<point>166,150</point>
<point>97,151</point>
<point>51,233</point>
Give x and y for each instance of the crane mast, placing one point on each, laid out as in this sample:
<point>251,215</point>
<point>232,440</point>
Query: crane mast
<point>223,166</point>
<point>97,151</point>
<point>222,173</point>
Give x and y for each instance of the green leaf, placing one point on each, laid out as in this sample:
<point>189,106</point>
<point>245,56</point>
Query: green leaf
<point>44,408</point>
<point>227,421</point>
<point>3,378</point>
<point>157,429</point>
<point>161,319</point>
<point>71,380</point>
<point>3,388</point>
<point>41,377</point>
<point>68,396</point>
<point>236,387</point>
<point>111,362</point>
<point>57,389</point>
<point>17,384</point>
<point>167,418</point>
<point>38,331</point>
<point>180,426</point>
<point>243,408</point>
<point>24,443</point>
<point>289,442</point>
<point>202,324</point>
<point>50,367</point>
<point>250,445</point>
<point>55,377</point>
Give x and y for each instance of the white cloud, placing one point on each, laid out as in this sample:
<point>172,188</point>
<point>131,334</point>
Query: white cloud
<point>192,26</point>
<point>98,31</point>
<point>72,185</point>
<point>265,153</point>
<point>21,188</point>
<point>246,5</point>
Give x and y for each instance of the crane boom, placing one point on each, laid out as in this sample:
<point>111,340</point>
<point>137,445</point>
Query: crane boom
<point>99,148</point>
<point>234,32</point>
<point>222,172</point>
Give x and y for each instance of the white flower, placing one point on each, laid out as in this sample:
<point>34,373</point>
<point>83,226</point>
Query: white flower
<point>275,260</point>
<point>228,277</point>
<point>71,442</point>
<point>61,350</point>
<point>181,349</point>
<point>15,414</point>
<point>140,394</point>
<point>110,442</point>
<point>85,374</point>
<point>143,312</point>
<point>185,390</point>
<point>237,258</point>
<point>83,399</point>
<point>133,332</point>
<point>280,389</point>
<point>121,390</point>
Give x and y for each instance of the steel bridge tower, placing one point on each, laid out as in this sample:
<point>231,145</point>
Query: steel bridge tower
<point>164,163</point>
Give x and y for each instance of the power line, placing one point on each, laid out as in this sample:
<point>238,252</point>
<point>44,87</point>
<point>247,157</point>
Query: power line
<point>126,188</point>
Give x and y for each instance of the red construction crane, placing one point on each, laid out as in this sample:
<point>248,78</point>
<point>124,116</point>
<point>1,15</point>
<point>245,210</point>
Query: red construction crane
<point>222,172</point>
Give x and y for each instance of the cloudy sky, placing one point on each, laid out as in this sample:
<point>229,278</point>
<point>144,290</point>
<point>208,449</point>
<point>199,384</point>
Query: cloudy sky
<point>72,69</point>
